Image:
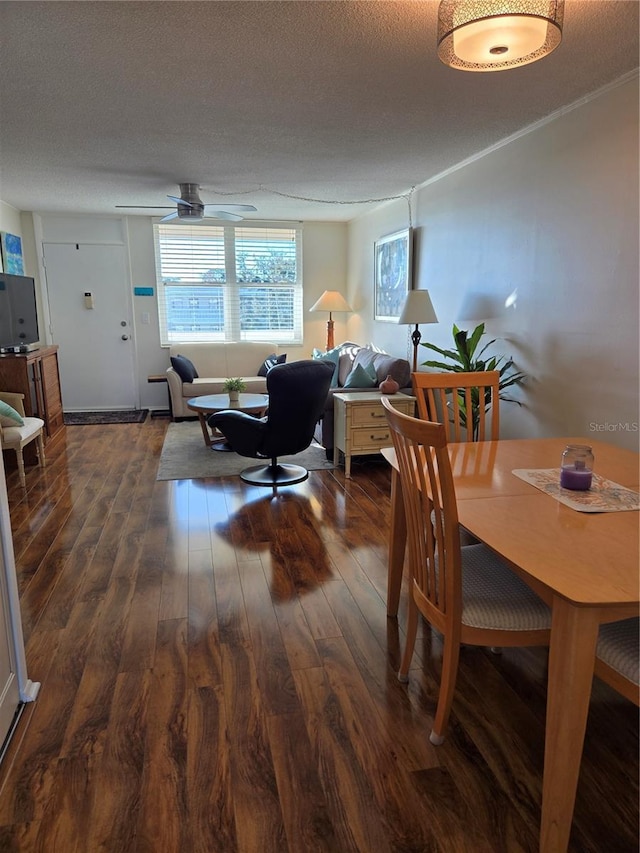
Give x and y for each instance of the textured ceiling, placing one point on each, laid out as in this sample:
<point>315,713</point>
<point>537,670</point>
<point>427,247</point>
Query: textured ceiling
<point>107,103</point>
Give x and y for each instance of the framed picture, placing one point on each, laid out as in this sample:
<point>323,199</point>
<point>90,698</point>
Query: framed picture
<point>11,253</point>
<point>392,264</point>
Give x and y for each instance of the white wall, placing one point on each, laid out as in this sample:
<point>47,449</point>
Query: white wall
<point>551,217</point>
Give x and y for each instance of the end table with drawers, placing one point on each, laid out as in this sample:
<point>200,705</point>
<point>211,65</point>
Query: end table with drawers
<point>360,423</point>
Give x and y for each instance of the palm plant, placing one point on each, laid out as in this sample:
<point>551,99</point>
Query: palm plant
<point>465,360</point>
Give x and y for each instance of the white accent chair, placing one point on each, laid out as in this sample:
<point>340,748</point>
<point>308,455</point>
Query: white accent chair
<point>17,437</point>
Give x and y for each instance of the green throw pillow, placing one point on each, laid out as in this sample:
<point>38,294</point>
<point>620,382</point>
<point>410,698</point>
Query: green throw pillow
<point>8,416</point>
<point>360,377</point>
<point>333,355</point>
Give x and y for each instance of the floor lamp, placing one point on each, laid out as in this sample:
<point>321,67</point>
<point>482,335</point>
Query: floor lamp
<point>331,301</point>
<point>417,309</point>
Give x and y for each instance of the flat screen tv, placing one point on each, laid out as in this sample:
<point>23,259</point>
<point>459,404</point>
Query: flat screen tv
<point>18,313</point>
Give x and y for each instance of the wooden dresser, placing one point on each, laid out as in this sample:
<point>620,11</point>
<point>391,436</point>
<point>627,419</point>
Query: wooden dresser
<point>35,374</point>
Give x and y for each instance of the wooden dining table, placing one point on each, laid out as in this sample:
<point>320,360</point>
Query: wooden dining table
<point>584,565</point>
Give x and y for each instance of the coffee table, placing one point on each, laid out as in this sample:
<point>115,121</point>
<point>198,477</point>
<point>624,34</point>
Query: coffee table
<point>253,404</point>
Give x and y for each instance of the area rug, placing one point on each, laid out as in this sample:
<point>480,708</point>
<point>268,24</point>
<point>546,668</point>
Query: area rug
<point>130,416</point>
<point>185,456</point>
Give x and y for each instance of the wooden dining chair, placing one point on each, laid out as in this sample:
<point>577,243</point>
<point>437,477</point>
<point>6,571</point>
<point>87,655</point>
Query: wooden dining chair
<point>618,657</point>
<point>448,397</point>
<point>468,594</point>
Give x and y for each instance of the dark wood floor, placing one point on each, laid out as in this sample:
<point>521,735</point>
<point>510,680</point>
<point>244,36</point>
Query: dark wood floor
<point>218,674</point>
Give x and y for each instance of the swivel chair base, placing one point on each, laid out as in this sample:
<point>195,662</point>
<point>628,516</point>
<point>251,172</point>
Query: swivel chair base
<point>274,475</point>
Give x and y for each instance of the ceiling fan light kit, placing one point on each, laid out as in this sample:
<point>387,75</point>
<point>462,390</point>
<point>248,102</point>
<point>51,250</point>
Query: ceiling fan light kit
<point>495,35</point>
<point>190,205</point>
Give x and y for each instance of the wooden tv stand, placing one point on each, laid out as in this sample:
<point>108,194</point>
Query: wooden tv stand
<point>35,374</point>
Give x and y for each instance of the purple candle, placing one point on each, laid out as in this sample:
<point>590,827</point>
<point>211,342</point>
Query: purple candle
<point>577,479</point>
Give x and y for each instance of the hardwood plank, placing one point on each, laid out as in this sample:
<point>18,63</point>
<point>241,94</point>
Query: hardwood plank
<point>307,821</point>
<point>273,672</point>
<point>404,817</point>
<point>116,790</point>
<point>210,792</point>
<point>346,788</point>
<point>162,819</point>
<point>205,665</point>
<point>258,817</point>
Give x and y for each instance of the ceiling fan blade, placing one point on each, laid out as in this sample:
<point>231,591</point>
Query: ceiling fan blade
<point>222,214</point>
<point>218,206</point>
<point>170,216</point>
<point>146,206</point>
<point>180,200</point>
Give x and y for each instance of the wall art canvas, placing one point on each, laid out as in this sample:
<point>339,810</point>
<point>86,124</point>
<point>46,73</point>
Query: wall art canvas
<point>392,259</point>
<point>11,253</point>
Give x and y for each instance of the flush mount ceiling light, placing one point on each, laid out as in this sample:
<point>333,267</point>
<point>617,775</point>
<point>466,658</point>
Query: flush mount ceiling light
<point>494,35</point>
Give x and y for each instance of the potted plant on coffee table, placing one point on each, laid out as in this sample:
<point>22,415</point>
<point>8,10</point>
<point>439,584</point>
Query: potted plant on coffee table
<point>234,387</point>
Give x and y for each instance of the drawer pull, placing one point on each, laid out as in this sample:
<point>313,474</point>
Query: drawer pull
<point>379,437</point>
<point>377,415</point>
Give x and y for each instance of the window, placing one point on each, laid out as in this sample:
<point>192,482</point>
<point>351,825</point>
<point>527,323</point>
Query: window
<point>229,282</point>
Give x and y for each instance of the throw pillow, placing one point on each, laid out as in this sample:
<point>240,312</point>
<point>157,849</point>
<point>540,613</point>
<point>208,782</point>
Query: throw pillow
<point>184,367</point>
<point>271,361</point>
<point>333,355</point>
<point>8,416</point>
<point>360,377</point>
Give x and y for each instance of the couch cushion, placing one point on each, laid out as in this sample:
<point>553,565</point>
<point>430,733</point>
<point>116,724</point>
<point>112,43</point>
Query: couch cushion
<point>184,367</point>
<point>361,377</point>
<point>8,416</point>
<point>270,361</point>
<point>385,365</point>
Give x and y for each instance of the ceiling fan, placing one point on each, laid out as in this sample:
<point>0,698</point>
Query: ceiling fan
<point>191,208</point>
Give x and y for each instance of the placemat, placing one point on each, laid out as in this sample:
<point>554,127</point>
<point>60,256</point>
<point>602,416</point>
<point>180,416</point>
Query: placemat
<point>603,496</point>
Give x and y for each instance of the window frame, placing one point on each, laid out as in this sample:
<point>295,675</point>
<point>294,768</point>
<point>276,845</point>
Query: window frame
<point>231,234</point>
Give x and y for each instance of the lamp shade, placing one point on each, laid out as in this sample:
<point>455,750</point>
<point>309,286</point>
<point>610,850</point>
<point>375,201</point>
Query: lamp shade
<point>331,300</point>
<point>417,309</point>
<point>495,35</point>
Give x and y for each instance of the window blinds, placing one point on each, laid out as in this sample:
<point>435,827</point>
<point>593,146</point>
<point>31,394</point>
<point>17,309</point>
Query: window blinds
<point>229,282</point>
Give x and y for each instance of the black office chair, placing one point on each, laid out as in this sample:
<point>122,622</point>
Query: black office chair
<point>297,395</point>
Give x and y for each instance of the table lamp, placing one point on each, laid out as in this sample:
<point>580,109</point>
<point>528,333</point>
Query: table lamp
<point>331,301</point>
<point>417,309</point>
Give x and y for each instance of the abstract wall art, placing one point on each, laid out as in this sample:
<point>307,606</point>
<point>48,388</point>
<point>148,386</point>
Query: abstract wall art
<point>11,253</point>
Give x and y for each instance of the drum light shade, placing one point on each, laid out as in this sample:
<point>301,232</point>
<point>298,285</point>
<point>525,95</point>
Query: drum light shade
<point>495,35</point>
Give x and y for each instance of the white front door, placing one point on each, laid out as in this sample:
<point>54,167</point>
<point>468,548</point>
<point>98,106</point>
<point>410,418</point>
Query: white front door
<point>90,310</point>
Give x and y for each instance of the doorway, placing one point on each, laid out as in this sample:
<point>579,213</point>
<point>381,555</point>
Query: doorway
<point>90,313</point>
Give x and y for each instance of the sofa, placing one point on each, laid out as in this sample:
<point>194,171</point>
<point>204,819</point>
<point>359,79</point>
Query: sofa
<point>353,361</point>
<point>214,363</point>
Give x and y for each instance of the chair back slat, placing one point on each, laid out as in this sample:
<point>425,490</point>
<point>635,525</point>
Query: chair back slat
<point>431,512</point>
<point>449,398</point>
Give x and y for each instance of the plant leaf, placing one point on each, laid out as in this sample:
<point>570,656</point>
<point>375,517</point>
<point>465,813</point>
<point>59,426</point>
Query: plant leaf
<point>447,353</point>
<point>477,333</point>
